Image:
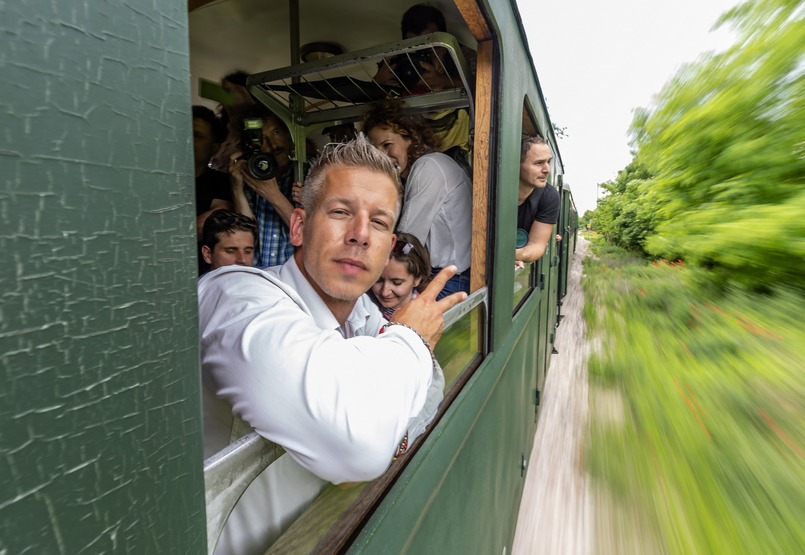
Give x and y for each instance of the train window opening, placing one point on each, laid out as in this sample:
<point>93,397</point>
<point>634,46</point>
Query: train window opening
<point>527,273</point>
<point>312,98</point>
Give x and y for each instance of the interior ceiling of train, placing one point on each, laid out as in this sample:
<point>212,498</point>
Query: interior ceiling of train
<point>254,35</point>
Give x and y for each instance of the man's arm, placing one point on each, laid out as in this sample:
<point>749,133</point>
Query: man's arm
<point>241,204</point>
<point>538,237</point>
<point>338,406</point>
<point>270,190</point>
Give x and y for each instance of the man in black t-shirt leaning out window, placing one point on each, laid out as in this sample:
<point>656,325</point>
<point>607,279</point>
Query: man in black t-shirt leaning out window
<point>537,203</point>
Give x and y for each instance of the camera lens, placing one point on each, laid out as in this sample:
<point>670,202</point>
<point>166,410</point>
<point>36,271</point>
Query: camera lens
<point>262,166</point>
<point>408,67</point>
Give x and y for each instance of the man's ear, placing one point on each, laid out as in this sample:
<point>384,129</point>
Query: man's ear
<point>296,226</point>
<point>206,254</point>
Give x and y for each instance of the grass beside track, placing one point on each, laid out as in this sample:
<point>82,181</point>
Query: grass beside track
<point>710,446</point>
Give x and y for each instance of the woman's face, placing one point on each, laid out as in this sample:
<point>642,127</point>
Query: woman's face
<point>394,145</point>
<point>395,286</point>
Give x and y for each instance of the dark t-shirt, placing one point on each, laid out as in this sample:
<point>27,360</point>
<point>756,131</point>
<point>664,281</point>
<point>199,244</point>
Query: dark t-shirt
<point>211,185</point>
<point>542,205</point>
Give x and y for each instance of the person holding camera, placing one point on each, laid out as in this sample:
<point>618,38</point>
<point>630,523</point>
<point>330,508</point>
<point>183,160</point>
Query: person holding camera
<point>437,69</point>
<point>437,206</point>
<point>262,186</point>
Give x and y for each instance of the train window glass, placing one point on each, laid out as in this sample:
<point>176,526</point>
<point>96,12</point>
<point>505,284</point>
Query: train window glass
<point>522,283</point>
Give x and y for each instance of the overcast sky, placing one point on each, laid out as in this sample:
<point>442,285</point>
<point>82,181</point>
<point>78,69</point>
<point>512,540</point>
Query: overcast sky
<point>598,61</point>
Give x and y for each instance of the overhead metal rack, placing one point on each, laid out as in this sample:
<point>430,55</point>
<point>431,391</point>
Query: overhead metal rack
<point>338,89</point>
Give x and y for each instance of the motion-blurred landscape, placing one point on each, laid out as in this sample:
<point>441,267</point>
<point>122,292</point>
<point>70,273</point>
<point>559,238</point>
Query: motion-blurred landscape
<point>694,292</point>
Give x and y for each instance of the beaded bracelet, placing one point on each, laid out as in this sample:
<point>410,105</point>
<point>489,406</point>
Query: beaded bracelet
<point>425,341</point>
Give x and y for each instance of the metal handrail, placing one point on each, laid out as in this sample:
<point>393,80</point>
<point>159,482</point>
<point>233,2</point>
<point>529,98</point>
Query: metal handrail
<point>229,472</point>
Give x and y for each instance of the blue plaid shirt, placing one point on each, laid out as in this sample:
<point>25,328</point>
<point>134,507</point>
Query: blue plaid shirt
<point>275,248</point>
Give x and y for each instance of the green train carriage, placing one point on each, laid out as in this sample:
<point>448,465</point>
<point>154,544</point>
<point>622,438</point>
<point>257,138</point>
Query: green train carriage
<point>102,430</point>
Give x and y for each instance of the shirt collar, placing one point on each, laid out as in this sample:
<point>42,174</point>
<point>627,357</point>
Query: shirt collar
<point>290,274</point>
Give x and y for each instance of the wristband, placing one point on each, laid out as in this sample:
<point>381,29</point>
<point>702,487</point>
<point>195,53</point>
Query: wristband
<point>425,341</point>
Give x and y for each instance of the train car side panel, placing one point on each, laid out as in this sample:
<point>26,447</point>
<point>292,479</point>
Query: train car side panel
<point>101,447</point>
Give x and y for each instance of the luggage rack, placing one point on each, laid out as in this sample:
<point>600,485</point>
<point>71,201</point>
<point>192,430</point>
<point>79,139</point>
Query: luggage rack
<point>338,89</point>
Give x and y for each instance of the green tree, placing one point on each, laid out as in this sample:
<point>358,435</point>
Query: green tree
<point>585,219</point>
<point>726,149</point>
<point>623,215</point>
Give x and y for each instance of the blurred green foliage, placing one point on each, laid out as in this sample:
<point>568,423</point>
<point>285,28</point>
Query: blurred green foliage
<point>718,177</point>
<point>705,437</point>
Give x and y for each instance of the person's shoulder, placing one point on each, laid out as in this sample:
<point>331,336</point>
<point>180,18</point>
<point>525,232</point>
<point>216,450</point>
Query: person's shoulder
<point>234,279</point>
<point>441,161</point>
<point>430,159</point>
<point>552,195</point>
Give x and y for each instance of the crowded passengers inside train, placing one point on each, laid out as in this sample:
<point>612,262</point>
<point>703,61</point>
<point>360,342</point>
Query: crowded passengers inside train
<point>320,301</point>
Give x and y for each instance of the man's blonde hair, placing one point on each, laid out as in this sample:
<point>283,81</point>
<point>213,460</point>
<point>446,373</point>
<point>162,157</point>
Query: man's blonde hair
<point>357,153</point>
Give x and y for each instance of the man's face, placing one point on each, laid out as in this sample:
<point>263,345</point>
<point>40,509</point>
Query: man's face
<point>233,249</point>
<point>440,53</point>
<point>341,133</point>
<point>277,141</point>
<point>204,145</point>
<point>348,235</point>
<point>534,171</point>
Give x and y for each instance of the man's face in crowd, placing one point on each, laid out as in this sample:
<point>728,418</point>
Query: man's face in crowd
<point>277,141</point>
<point>431,28</point>
<point>348,235</point>
<point>534,171</point>
<point>233,249</point>
<point>204,145</point>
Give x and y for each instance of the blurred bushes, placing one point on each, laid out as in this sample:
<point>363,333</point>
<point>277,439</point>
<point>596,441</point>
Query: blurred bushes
<point>709,444</point>
<point>718,177</point>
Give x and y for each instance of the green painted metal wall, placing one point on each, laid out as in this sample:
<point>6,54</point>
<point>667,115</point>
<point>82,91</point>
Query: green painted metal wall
<point>100,445</point>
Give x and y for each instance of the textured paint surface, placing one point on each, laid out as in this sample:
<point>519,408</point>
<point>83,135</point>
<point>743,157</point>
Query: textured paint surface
<point>100,444</point>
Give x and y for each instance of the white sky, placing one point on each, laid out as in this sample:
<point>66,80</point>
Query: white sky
<point>597,61</point>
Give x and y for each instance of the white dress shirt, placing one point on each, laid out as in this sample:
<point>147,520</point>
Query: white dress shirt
<point>437,209</point>
<point>338,399</point>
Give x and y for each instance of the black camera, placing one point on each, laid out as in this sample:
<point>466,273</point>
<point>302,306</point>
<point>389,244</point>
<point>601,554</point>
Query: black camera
<point>260,165</point>
<point>408,68</point>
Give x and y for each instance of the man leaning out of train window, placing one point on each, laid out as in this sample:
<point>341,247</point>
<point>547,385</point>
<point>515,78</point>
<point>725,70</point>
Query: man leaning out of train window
<point>537,202</point>
<point>300,354</point>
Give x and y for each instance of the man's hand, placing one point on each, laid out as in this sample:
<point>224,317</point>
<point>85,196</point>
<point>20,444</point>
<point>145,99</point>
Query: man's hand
<point>235,168</point>
<point>435,76</point>
<point>519,264</point>
<point>297,190</point>
<point>425,314</point>
<point>267,189</point>
<point>384,75</point>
